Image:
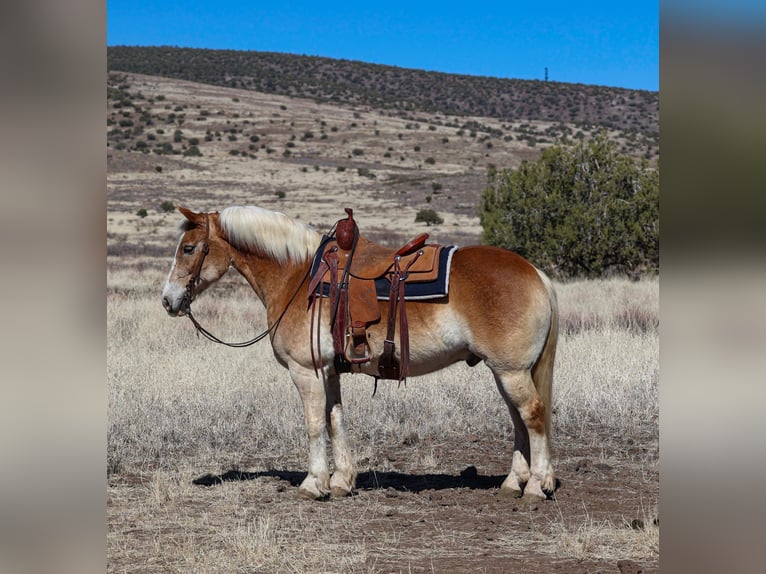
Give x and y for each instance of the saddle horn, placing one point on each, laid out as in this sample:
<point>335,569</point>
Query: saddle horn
<point>346,231</point>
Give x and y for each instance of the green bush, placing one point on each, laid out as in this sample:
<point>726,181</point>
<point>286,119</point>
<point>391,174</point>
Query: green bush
<point>141,213</point>
<point>579,211</point>
<point>164,148</point>
<point>167,206</point>
<point>429,217</point>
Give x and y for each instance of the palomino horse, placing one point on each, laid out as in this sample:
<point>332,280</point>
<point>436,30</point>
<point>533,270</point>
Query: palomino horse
<point>499,309</point>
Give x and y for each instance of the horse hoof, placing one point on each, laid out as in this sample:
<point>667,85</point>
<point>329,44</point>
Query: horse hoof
<point>338,492</point>
<point>533,498</point>
<point>509,493</point>
<point>309,495</point>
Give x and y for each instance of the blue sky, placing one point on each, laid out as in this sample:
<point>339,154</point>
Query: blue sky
<point>605,42</point>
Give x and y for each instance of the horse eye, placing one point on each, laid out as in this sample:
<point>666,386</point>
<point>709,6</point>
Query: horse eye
<point>188,249</point>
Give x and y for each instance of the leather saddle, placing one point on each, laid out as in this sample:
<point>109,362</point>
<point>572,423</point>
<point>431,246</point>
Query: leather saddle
<point>353,272</point>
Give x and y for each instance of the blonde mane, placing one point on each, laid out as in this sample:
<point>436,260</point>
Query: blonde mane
<point>269,233</point>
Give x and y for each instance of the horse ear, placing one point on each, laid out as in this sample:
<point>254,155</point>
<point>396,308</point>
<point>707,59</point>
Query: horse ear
<point>195,218</point>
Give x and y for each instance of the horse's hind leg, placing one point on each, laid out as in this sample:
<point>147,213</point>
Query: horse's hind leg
<point>531,462</point>
<point>519,475</point>
<point>343,478</point>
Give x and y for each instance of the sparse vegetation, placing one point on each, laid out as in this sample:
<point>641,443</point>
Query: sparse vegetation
<point>167,206</point>
<point>429,217</point>
<point>386,87</point>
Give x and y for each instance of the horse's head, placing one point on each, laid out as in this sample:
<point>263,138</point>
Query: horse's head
<point>201,258</point>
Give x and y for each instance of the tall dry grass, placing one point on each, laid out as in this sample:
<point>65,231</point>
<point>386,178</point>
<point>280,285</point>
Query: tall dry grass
<point>176,399</point>
<point>180,406</point>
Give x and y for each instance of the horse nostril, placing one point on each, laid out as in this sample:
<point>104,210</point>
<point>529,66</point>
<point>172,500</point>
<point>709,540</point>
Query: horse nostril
<point>166,304</point>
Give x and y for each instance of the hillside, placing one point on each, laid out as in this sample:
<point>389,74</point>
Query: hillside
<point>400,89</point>
<point>176,142</point>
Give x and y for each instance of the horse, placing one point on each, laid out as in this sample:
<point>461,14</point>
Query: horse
<point>499,308</point>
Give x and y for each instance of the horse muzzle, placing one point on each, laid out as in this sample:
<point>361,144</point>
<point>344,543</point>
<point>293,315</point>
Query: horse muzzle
<point>172,310</point>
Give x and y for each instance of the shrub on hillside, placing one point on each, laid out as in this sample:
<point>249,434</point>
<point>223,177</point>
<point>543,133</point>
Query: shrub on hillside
<point>429,217</point>
<point>583,210</point>
<point>167,206</point>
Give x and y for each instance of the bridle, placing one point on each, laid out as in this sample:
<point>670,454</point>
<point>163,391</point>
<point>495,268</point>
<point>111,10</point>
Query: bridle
<point>195,279</point>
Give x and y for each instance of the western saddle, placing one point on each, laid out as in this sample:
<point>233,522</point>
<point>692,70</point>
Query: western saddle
<point>345,269</point>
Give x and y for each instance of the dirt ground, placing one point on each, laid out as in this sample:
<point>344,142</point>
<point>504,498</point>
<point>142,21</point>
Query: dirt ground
<point>409,520</point>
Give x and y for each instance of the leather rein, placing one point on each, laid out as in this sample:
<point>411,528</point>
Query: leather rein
<point>192,285</point>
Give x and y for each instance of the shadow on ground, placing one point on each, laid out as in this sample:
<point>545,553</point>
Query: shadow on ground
<point>373,480</point>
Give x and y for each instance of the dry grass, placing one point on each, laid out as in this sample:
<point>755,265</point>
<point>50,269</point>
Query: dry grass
<point>604,539</point>
<point>174,397</point>
<point>587,538</point>
<point>217,530</point>
<point>180,407</point>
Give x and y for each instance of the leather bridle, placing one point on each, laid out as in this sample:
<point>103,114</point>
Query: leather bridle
<point>195,279</point>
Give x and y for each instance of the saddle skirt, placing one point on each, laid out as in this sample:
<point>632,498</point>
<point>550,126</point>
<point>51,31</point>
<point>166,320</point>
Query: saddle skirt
<point>355,275</point>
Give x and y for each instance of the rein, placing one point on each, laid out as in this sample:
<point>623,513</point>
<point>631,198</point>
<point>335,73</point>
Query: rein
<point>254,340</point>
<point>189,295</point>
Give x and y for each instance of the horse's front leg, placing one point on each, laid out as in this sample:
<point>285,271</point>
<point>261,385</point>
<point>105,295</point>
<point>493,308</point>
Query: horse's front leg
<point>316,485</point>
<point>343,478</point>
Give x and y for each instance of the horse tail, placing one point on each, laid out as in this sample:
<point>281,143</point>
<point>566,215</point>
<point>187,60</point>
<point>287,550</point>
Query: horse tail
<point>542,370</point>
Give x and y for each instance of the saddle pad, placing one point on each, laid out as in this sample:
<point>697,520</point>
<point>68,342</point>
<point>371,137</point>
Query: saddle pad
<point>421,290</point>
<point>413,290</point>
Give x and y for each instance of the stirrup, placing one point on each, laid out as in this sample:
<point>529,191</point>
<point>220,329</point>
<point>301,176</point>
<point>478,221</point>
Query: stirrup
<point>350,349</point>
